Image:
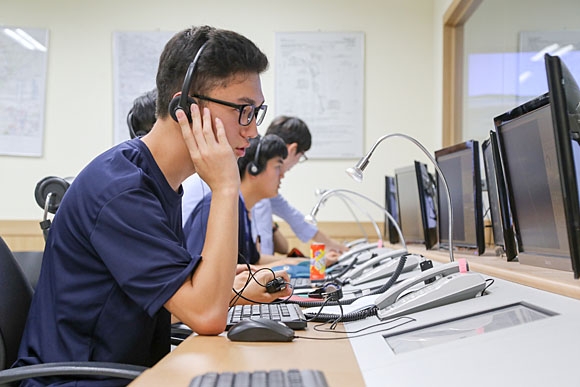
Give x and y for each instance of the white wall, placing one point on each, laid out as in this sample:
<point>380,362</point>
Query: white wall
<point>402,81</point>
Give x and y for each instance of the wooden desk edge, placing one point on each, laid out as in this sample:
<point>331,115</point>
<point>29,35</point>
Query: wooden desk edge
<point>201,354</point>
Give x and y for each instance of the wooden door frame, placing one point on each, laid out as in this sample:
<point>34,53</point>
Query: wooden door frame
<point>453,22</point>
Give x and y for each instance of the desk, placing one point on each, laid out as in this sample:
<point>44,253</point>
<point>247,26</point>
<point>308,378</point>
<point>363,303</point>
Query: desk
<point>540,353</point>
<point>200,354</point>
<point>551,280</point>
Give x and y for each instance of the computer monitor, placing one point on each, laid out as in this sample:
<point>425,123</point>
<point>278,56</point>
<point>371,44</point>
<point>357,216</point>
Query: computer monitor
<point>460,166</point>
<point>393,208</point>
<point>417,214</point>
<point>528,148</point>
<point>565,105</point>
<point>501,217</point>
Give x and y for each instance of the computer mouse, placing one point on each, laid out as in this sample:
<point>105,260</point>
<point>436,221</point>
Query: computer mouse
<point>260,329</point>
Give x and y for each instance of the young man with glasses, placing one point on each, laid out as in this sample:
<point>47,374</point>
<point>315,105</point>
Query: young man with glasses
<point>115,267</point>
<point>298,139</point>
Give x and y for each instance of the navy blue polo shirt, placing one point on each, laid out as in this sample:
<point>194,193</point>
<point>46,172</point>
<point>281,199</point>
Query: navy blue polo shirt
<point>115,255</point>
<point>195,229</point>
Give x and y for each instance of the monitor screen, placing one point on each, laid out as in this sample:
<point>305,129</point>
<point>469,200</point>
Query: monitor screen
<point>565,108</point>
<point>528,151</point>
<point>501,218</point>
<point>460,166</point>
<point>392,207</point>
<point>409,207</point>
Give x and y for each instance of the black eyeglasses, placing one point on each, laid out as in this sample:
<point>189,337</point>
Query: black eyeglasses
<point>247,111</point>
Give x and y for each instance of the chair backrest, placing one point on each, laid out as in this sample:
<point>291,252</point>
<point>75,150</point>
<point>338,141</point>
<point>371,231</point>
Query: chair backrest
<point>30,262</point>
<point>15,299</point>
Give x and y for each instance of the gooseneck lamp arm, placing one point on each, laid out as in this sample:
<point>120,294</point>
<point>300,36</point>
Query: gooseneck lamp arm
<point>357,174</point>
<point>346,201</point>
<point>311,218</point>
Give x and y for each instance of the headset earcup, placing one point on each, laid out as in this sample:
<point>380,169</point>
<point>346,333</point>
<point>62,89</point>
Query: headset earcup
<point>174,106</point>
<point>253,169</point>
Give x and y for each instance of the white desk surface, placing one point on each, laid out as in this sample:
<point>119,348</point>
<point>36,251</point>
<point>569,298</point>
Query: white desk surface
<point>538,353</point>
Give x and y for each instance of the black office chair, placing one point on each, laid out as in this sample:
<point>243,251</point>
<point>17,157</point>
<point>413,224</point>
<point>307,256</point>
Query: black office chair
<point>48,193</point>
<point>15,299</point>
<point>30,262</point>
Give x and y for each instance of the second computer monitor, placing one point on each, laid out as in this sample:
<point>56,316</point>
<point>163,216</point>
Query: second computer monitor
<point>501,218</point>
<point>417,212</point>
<point>460,166</point>
<point>391,205</point>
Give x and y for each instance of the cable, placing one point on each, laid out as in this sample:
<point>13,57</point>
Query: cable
<point>382,289</point>
<point>251,276</point>
<point>345,270</point>
<point>491,281</point>
<point>352,316</point>
<point>406,320</point>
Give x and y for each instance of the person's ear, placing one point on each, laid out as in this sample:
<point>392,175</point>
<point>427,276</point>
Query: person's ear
<point>292,149</point>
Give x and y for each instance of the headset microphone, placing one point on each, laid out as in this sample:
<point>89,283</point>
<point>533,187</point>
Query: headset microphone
<point>184,101</point>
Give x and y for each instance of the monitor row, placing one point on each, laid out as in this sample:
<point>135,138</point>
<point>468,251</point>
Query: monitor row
<point>532,164</point>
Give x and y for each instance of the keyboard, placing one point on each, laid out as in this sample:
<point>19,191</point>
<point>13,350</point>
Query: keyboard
<point>274,378</point>
<point>289,314</point>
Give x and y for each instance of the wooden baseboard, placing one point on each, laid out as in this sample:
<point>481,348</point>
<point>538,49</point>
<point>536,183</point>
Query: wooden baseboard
<point>26,235</point>
<point>22,235</point>
<point>340,231</point>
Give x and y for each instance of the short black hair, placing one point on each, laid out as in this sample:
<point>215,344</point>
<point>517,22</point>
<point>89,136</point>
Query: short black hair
<point>141,116</point>
<point>271,146</point>
<point>292,130</point>
<point>227,54</point>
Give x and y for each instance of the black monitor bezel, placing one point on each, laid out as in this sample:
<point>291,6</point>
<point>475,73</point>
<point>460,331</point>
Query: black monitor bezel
<point>473,147</point>
<point>561,84</point>
<point>389,229</point>
<point>504,217</point>
<point>429,233</point>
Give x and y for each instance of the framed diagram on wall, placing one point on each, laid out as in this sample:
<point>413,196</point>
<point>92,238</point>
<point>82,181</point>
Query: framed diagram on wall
<point>319,77</point>
<point>23,64</point>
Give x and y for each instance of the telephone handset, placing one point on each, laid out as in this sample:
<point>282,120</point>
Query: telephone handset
<point>359,269</point>
<point>356,242</point>
<point>451,286</point>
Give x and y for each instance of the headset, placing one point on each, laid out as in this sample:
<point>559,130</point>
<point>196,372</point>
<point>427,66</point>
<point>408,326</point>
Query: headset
<point>254,167</point>
<point>132,132</point>
<point>141,116</point>
<point>184,101</point>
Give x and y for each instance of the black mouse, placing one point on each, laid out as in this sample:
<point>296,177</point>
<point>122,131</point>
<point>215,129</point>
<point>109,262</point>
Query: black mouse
<point>260,329</point>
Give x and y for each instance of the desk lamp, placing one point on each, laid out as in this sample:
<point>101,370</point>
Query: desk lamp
<point>343,193</point>
<point>348,202</point>
<point>356,173</point>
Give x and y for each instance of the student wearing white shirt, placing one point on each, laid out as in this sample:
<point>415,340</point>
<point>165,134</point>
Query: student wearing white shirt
<point>298,139</point>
